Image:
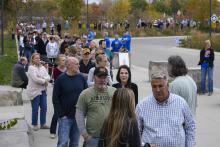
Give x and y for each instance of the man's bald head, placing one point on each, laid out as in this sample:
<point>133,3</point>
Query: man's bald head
<point>72,65</point>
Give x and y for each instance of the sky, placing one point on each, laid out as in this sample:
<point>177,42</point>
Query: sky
<point>91,1</point>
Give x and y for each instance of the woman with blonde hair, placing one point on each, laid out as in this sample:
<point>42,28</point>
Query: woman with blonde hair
<point>120,128</point>
<point>207,57</point>
<point>38,79</point>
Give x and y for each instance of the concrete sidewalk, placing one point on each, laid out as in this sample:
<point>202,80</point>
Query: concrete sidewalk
<point>207,119</point>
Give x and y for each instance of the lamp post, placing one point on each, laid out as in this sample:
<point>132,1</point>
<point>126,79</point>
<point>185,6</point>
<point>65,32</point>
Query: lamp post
<point>2,27</point>
<point>210,21</point>
<point>87,14</point>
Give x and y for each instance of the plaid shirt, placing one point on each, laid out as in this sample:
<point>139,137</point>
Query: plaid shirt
<point>168,124</point>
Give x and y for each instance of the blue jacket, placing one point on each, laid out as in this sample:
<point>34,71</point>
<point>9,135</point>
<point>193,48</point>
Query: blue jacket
<point>108,42</point>
<point>116,45</point>
<point>126,42</point>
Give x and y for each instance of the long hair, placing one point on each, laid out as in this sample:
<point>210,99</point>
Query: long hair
<point>120,118</point>
<point>129,75</point>
<point>177,66</point>
<point>32,58</point>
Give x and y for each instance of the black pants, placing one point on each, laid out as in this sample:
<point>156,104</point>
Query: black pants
<point>53,126</point>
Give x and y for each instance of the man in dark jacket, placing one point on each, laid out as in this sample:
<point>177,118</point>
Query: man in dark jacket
<point>19,77</point>
<point>67,89</point>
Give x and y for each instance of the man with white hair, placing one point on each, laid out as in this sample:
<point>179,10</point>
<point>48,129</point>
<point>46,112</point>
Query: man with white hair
<point>165,119</point>
<point>67,89</point>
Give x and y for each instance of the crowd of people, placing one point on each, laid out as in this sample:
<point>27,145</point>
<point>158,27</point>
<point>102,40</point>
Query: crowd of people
<point>87,102</point>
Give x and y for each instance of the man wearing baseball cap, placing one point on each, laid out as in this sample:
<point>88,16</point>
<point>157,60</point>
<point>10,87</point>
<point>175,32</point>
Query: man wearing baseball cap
<point>85,63</point>
<point>93,106</point>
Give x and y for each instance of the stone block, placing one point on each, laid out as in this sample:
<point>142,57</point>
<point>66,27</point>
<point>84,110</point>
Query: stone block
<point>17,136</point>
<point>195,74</point>
<point>21,134</point>
<point>10,96</point>
<point>157,66</point>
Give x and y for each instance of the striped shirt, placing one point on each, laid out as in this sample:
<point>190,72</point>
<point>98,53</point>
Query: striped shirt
<point>168,124</point>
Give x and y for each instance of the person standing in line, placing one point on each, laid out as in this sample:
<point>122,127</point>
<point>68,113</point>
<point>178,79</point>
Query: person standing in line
<point>126,41</point>
<point>93,106</point>
<point>19,77</point>
<point>101,61</point>
<point>57,71</point>
<point>59,28</point>
<point>107,40</point>
<point>52,49</point>
<point>86,63</point>
<point>206,61</point>
<point>124,81</point>
<point>67,89</point>
<point>116,46</point>
<point>120,128</point>
<point>165,119</point>
<point>38,79</point>
<point>182,85</point>
<point>44,26</point>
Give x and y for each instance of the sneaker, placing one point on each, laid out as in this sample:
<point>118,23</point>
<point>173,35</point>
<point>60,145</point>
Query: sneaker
<point>44,127</point>
<point>210,93</point>
<point>35,128</point>
<point>52,136</point>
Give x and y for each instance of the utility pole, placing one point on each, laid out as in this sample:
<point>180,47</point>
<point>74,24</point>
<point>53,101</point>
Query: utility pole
<point>210,21</point>
<point>87,14</point>
<point>2,27</point>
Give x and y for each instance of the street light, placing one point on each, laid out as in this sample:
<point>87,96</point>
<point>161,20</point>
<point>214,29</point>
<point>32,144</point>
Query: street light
<point>87,14</point>
<point>2,27</point>
<point>210,21</point>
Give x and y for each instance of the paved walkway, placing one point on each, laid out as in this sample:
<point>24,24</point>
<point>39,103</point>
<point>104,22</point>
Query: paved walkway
<point>208,118</point>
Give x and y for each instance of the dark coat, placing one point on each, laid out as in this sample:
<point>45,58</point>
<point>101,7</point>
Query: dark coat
<point>210,60</point>
<point>133,87</point>
<point>19,77</point>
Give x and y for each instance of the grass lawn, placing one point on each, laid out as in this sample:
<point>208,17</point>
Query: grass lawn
<point>7,60</point>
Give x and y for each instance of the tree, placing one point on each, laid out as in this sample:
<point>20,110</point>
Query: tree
<point>151,13</point>
<point>199,9</point>
<point>70,8</point>
<point>105,6</point>
<point>163,6</point>
<point>95,12</point>
<point>138,6</point>
<point>119,10</point>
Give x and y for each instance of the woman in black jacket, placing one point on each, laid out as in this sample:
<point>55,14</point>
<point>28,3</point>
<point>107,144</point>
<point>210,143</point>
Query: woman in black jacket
<point>207,57</point>
<point>124,81</point>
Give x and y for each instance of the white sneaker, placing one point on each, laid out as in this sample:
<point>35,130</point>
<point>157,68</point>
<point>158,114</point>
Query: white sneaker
<point>52,136</point>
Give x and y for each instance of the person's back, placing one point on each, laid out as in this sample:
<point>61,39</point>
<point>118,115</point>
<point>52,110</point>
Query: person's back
<point>185,87</point>
<point>19,77</point>
<point>120,128</point>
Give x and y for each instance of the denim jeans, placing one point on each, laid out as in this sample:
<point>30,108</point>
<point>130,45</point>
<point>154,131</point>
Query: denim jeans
<point>40,100</point>
<point>27,54</point>
<point>68,133</point>
<point>21,51</point>
<point>204,72</point>
<point>93,142</point>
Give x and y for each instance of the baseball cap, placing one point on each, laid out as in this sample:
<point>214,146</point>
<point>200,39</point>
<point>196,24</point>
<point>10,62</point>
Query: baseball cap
<point>85,51</point>
<point>100,71</point>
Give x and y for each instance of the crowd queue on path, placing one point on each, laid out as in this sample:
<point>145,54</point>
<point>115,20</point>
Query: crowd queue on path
<point>87,102</point>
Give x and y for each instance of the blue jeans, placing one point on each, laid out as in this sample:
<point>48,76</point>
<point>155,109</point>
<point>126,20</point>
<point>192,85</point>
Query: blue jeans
<point>27,54</point>
<point>68,132</point>
<point>93,142</point>
<point>204,72</point>
<point>40,100</point>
